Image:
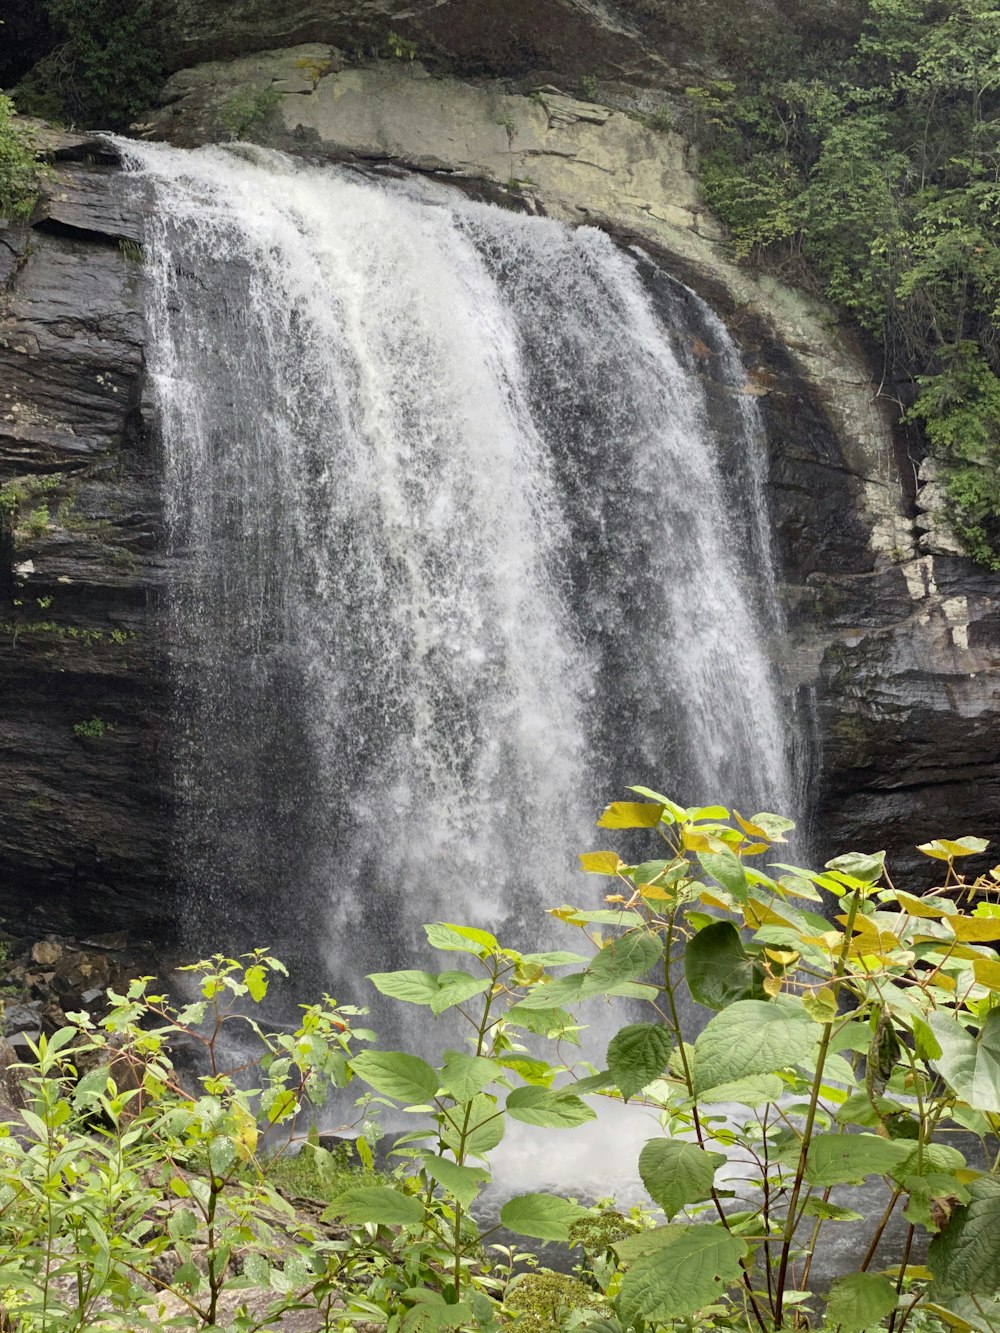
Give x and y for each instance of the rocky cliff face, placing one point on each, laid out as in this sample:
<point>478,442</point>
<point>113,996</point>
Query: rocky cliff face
<point>83,838</point>
<point>893,641</point>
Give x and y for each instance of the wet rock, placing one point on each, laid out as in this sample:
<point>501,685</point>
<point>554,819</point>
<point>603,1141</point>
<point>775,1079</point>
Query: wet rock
<point>83,822</point>
<point>46,952</point>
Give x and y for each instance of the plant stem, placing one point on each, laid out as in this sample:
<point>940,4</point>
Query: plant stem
<point>807,1132</point>
<point>668,987</point>
<point>900,1280</point>
<point>876,1238</point>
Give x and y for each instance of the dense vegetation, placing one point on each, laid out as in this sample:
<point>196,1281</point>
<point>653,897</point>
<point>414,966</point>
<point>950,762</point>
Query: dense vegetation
<point>803,1032</point>
<point>873,168</point>
<point>17,164</point>
<point>103,69</point>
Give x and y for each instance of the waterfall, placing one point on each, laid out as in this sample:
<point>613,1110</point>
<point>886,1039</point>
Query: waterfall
<point>469,527</point>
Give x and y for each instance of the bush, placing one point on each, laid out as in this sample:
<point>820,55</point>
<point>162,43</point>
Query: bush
<point>17,165</point>
<point>106,69</point>
<point>804,1032</point>
<point>873,170</point>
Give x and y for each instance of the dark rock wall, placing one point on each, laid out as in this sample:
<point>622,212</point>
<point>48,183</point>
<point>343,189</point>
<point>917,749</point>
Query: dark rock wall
<point>653,42</point>
<point>83,805</point>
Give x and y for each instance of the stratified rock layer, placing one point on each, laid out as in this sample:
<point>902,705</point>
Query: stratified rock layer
<point>83,833</point>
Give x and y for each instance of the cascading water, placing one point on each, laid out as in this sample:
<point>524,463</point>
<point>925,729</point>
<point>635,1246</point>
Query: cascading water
<point>459,550</point>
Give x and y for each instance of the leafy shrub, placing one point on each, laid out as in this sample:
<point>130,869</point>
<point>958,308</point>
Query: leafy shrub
<point>846,1029</point>
<point>246,112</point>
<point>106,69</point>
<point>17,165</point>
<point>872,170</point>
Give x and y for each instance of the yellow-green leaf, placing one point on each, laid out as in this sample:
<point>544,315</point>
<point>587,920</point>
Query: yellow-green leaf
<point>601,863</point>
<point>630,814</point>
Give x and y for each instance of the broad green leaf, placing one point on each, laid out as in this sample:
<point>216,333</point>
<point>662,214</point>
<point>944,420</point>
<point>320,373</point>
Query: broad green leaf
<point>436,1316</point>
<point>461,1182</point>
<point>630,814</point>
<point>830,1212</point>
<point>928,909</point>
<point>821,1005</point>
<point>925,1043</point>
<point>860,866</point>
<point>413,987</point>
<point>625,959</point>
<point>648,1242</point>
<point>931,1159</point>
<point>549,1108</point>
<point>538,1072</point>
<point>967,1314</point>
<point>774,826</point>
<point>753,1091</point>
<point>726,867</point>
<point>551,994</point>
<point>676,1173</point>
<point>376,1203</point>
<point>638,1054</point>
<point>946,849</point>
<point>460,939</point>
<point>464,1075</point>
<point>970,1065</point>
<point>965,1257</point>
<point>543,1216</point>
<point>484,1129</point>
<point>182,1223</point>
<point>555,958</point>
<point>841,1159</point>
<point>718,970</point>
<point>692,1271</point>
<point>751,1037</point>
<point>987,973</point>
<point>551,1023</point>
<point>257,1269</point>
<point>974,929</point>
<point>677,812</point>
<point>457,990</point>
<point>404,1077</point>
<point>256,982</point>
<point>859,1301</point>
<point>932,1196</point>
<point>602,916</point>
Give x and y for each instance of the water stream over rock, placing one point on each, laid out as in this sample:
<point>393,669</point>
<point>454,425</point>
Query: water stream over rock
<point>469,512</point>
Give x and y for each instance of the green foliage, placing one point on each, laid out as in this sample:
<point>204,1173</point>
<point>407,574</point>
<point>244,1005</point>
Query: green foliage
<point>874,171</point>
<point>94,729</point>
<point>126,1192</point>
<point>401,47</point>
<point>17,168</point>
<point>107,68</point>
<point>866,1033</point>
<point>247,111</point>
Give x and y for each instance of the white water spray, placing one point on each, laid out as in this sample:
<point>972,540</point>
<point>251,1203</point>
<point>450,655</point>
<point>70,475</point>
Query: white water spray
<point>458,559</point>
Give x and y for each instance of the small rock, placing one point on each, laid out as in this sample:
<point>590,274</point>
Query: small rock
<point>46,952</point>
<point>22,1018</point>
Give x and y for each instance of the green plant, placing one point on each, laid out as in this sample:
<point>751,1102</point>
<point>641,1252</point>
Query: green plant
<point>247,111</point>
<point>17,493</point>
<point>130,250</point>
<point>128,1197</point>
<point>37,522</point>
<point>588,86</point>
<point>18,171</point>
<point>95,729</point>
<point>871,172</point>
<point>400,47</point>
<point>836,1051</point>
<point>851,1026</point>
<point>106,69</point>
